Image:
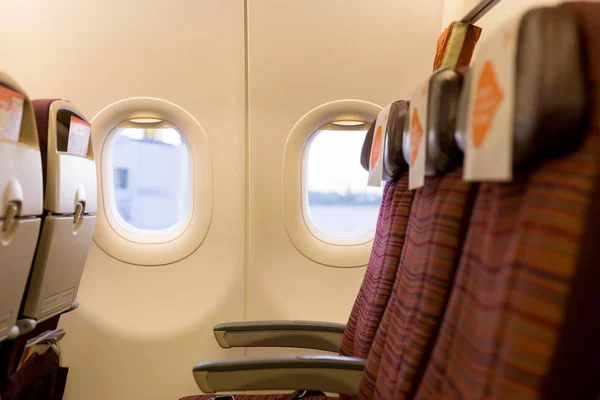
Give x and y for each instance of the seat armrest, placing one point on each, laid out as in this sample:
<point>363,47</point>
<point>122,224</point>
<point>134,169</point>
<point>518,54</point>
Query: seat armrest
<point>300,334</point>
<point>335,374</point>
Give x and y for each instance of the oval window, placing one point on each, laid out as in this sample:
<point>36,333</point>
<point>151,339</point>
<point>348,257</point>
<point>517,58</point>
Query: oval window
<point>329,213</point>
<point>154,181</point>
<point>338,203</point>
<point>151,180</point>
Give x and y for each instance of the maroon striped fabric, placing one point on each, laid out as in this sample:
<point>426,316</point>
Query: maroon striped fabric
<point>521,321</point>
<point>410,323</point>
<point>375,290</point>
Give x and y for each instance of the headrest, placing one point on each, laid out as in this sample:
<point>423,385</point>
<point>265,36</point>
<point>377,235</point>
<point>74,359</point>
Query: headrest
<point>393,160</point>
<point>528,80</point>
<point>437,119</point>
<point>42,109</point>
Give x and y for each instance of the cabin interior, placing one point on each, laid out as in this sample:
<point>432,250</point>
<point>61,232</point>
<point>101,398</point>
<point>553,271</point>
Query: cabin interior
<point>381,199</point>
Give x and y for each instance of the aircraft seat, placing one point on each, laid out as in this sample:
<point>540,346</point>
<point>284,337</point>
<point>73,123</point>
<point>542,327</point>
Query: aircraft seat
<point>375,290</point>
<point>354,339</point>
<point>521,320</point>
<point>21,200</point>
<point>69,207</point>
<point>437,225</point>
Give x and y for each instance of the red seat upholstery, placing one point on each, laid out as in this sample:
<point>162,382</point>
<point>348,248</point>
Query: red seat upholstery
<point>409,325</point>
<point>374,292</point>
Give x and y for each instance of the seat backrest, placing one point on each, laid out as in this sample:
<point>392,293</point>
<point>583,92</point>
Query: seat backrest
<point>439,213</point>
<point>20,200</point>
<point>69,206</point>
<point>455,48</point>
<point>520,321</point>
<point>396,201</point>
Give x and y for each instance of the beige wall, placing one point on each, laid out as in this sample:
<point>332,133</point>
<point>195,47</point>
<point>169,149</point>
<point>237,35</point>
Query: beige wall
<point>140,330</point>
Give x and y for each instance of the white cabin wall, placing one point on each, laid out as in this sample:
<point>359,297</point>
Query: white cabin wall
<point>303,54</point>
<point>140,330</point>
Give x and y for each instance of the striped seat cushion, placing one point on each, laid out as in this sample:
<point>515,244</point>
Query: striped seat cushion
<point>409,325</point>
<point>380,274</point>
<point>520,321</point>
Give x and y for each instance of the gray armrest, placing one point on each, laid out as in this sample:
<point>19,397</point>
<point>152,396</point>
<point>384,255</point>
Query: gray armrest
<point>336,374</point>
<point>301,334</point>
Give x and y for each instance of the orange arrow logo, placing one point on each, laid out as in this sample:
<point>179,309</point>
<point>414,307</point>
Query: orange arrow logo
<point>416,133</point>
<point>488,98</point>
<point>376,149</point>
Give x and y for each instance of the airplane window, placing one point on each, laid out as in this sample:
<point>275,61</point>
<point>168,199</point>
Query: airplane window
<point>340,205</point>
<point>150,177</point>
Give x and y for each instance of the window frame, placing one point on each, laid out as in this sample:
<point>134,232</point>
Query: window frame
<point>323,249</point>
<point>147,247</point>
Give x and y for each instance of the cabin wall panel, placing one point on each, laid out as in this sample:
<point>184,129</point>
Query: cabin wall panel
<point>140,330</point>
